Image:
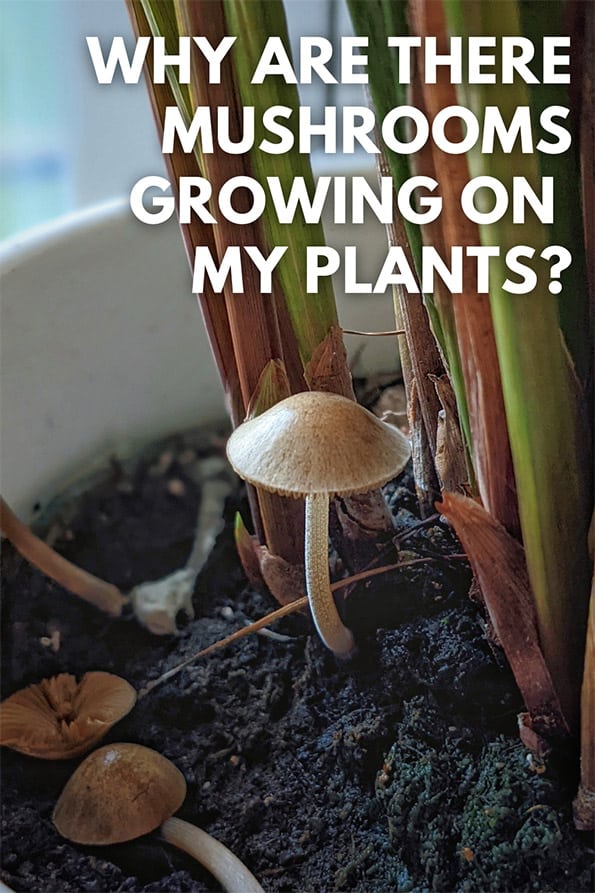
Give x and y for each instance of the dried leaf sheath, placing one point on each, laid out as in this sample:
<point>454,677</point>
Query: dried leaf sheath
<point>498,562</point>
<point>423,165</point>
<point>423,350</point>
<point>584,804</point>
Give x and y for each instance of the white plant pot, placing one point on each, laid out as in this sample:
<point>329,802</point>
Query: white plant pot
<point>102,346</point>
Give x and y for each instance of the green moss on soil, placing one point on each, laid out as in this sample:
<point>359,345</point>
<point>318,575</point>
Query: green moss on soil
<point>470,815</point>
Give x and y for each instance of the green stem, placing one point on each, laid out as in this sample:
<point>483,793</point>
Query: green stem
<point>311,315</point>
<point>547,435</point>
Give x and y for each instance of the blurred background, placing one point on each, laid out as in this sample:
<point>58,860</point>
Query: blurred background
<point>67,142</point>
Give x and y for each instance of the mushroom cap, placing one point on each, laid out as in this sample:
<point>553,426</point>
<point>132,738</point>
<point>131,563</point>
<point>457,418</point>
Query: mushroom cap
<point>60,718</point>
<point>315,442</point>
<point>119,792</point>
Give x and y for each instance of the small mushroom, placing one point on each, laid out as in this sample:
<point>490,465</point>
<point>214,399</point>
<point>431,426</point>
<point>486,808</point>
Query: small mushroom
<point>76,580</point>
<point>123,791</point>
<point>59,718</point>
<point>317,445</point>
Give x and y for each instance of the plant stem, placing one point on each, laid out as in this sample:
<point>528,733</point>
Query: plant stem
<point>312,316</point>
<point>250,312</point>
<point>486,420</point>
<point>499,564</point>
<point>548,439</point>
<point>423,350</point>
<point>180,164</point>
<point>584,804</point>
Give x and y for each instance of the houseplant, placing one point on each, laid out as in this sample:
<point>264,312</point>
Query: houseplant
<point>409,787</point>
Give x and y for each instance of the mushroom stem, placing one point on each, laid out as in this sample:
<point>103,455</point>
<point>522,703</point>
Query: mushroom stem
<point>78,581</point>
<point>331,629</point>
<point>231,873</point>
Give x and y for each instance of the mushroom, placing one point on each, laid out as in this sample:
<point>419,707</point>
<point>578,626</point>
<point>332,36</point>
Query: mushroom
<point>92,589</point>
<point>317,445</point>
<point>123,791</point>
<point>59,718</point>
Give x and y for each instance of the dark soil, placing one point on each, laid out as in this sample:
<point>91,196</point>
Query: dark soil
<point>398,771</point>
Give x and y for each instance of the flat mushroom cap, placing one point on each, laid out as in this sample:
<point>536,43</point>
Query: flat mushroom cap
<point>118,793</point>
<point>60,718</point>
<point>316,442</point>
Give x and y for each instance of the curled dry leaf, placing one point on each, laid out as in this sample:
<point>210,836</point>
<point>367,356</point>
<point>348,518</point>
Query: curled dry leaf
<point>285,581</point>
<point>584,803</point>
<point>247,547</point>
<point>498,562</point>
<point>424,469</point>
<point>327,369</point>
<point>451,464</point>
<point>60,718</point>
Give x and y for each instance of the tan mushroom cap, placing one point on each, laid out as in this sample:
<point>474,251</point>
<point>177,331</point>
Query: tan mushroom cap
<point>316,442</point>
<point>119,792</point>
<point>60,718</point>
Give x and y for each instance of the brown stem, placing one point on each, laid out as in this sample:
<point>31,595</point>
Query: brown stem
<point>498,562</point>
<point>477,345</point>
<point>419,359</point>
<point>422,456</point>
<point>103,595</point>
<point>393,332</point>
<point>584,804</point>
<point>253,317</point>
<point>425,358</point>
<point>181,164</point>
<point>291,608</point>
